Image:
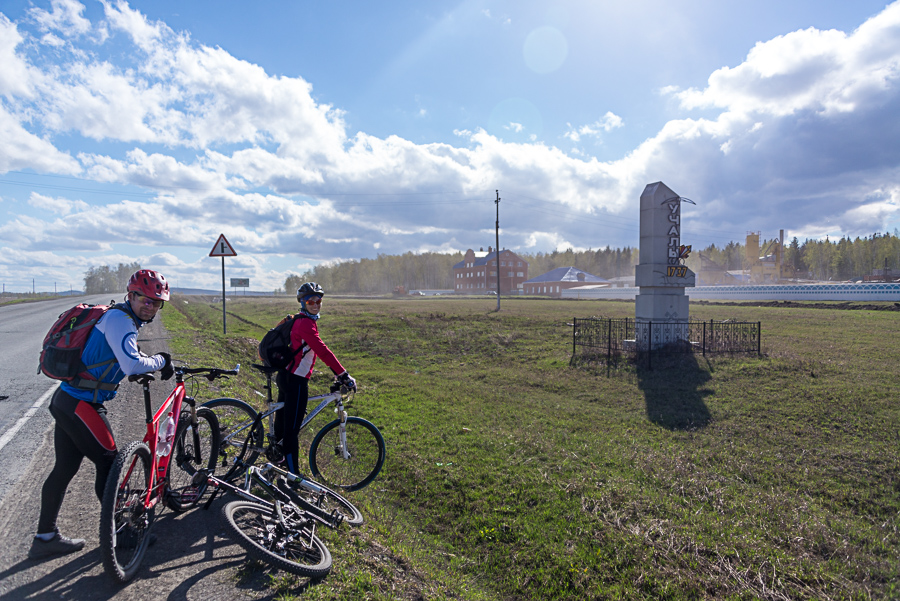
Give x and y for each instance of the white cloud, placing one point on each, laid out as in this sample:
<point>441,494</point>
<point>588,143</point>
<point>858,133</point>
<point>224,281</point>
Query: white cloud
<point>539,241</point>
<point>144,34</point>
<point>60,206</point>
<point>65,16</point>
<point>805,138</point>
<point>821,71</point>
<point>22,149</point>
<point>607,123</point>
<point>805,133</point>
<point>15,76</point>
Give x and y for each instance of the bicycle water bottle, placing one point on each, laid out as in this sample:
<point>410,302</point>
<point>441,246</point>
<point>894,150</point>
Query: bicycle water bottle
<point>166,434</point>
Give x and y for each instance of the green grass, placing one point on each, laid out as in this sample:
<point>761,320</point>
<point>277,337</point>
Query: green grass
<point>512,474</point>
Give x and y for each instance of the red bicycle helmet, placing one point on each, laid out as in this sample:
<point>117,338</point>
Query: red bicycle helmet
<point>149,283</point>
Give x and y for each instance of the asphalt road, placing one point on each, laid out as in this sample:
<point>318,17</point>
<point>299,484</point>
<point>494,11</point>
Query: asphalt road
<point>22,423</point>
<point>194,559</point>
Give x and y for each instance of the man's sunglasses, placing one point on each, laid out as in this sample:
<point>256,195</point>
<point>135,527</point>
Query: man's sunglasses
<point>315,300</point>
<point>147,301</point>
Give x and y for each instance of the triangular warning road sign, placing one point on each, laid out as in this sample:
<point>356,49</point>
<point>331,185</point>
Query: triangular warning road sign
<point>222,248</point>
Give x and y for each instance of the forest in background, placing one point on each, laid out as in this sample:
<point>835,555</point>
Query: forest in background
<point>824,260</point>
<point>98,280</point>
<point>434,271</point>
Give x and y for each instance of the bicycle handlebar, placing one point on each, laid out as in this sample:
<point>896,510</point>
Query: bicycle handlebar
<point>210,373</point>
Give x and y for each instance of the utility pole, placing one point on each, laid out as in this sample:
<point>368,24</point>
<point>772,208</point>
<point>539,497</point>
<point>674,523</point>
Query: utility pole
<point>497,241</point>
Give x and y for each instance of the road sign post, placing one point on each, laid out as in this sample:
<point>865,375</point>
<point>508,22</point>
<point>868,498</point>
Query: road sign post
<point>222,249</point>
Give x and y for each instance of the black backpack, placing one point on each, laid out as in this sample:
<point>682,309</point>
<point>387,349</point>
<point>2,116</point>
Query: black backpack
<point>275,347</point>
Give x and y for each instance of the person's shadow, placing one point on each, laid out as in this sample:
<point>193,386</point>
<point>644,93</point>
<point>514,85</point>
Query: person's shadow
<point>673,390</point>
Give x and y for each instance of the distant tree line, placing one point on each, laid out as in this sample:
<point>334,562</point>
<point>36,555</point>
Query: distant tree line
<point>381,274</point>
<point>434,271</point>
<point>99,280</point>
<point>827,259</point>
<point>814,259</point>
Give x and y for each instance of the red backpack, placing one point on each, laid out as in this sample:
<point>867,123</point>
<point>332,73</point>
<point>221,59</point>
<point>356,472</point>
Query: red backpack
<point>65,342</point>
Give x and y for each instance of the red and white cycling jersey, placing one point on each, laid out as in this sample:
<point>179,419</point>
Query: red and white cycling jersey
<point>305,336</point>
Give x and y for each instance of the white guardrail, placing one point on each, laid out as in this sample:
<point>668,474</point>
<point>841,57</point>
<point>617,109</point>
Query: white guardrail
<point>832,292</point>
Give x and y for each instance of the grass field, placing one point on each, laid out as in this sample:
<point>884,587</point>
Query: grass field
<point>512,474</point>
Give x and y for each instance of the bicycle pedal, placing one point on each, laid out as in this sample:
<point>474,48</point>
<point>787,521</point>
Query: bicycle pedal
<point>200,477</point>
<point>189,495</point>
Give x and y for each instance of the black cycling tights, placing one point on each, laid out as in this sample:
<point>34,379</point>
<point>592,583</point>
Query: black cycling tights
<point>293,391</point>
<point>82,430</point>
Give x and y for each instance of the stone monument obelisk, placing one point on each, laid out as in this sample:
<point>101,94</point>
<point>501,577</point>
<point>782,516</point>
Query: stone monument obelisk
<point>661,307</point>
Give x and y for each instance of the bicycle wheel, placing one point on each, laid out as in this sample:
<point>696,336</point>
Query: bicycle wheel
<point>124,521</point>
<point>193,449</point>
<point>290,546</point>
<point>366,449</point>
<point>236,426</point>
<point>307,493</point>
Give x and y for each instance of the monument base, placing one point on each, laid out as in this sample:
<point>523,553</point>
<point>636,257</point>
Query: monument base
<point>662,317</point>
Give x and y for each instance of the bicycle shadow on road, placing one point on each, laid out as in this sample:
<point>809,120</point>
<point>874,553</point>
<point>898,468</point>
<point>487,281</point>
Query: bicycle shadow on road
<point>674,392</point>
<point>187,554</point>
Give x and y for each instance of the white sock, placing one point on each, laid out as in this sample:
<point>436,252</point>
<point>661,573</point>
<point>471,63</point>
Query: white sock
<point>47,536</point>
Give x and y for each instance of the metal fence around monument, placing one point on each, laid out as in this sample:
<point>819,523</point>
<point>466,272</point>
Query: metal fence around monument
<point>614,338</point>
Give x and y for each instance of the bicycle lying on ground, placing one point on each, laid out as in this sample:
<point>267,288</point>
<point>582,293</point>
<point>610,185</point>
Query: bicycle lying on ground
<point>280,532</point>
<point>142,476</point>
<point>308,494</point>
<point>347,453</point>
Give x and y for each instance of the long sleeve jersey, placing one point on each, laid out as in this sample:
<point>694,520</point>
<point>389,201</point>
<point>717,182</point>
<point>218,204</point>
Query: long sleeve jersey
<point>114,337</point>
<point>305,336</point>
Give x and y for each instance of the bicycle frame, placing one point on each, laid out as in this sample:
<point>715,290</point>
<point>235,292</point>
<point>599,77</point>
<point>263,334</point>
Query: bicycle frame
<point>128,507</point>
<point>326,399</point>
<point>336,453</point>
<point>323,399</point>
<point>171,406</point>
<point>258,476</point>
<point>160,465</point>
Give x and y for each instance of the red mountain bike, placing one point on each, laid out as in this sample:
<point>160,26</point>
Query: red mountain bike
<point>142,475</point>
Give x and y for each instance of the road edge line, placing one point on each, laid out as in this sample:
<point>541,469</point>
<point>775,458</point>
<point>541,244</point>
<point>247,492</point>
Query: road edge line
<point>8,435</point>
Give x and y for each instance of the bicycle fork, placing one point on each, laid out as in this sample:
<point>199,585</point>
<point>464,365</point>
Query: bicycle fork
<point>342,430</point>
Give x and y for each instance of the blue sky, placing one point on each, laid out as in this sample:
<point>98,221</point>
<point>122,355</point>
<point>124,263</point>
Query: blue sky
<point>309,132</point>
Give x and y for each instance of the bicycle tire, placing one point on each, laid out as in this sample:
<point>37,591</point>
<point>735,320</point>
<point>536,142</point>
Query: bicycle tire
<point>367,452</point>
<point>181,493</point>
<point>260,533</point>
<point>124,524</point>
<point>232,414</point>
<point>323,500</point>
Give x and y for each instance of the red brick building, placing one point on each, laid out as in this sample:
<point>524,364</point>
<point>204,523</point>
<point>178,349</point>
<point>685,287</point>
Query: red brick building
<point>477,272</point>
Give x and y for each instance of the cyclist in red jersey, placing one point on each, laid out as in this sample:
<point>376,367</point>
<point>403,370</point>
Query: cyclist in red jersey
<point>293,381</point>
